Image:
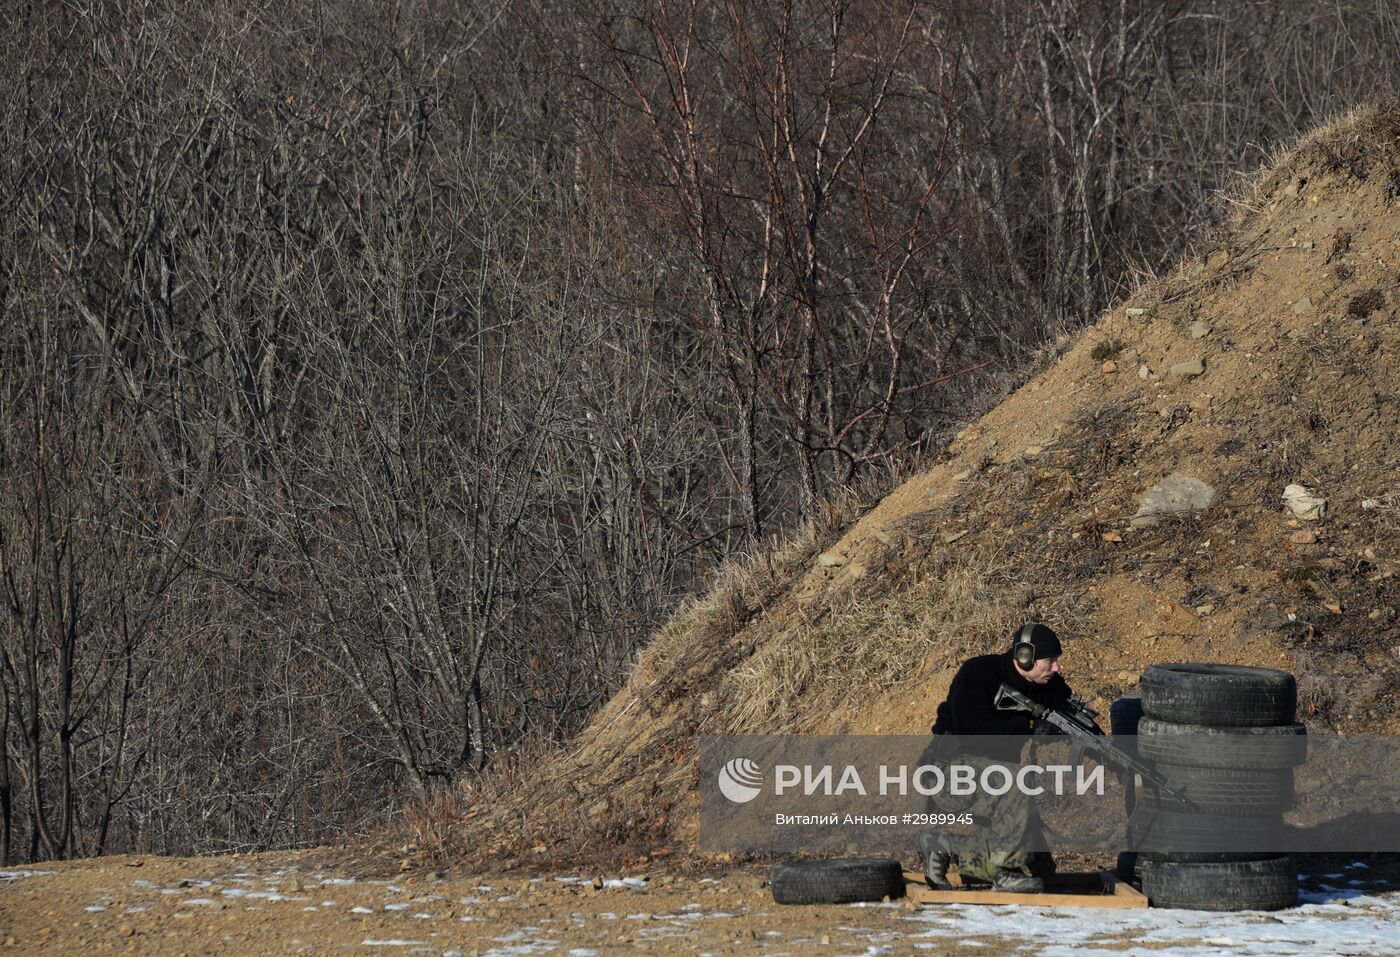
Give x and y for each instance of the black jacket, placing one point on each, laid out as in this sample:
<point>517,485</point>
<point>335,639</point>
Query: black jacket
<point>971,706</point>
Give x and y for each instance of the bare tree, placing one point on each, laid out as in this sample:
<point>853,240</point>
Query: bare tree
<point>375,381</point>
<point>770,150</point>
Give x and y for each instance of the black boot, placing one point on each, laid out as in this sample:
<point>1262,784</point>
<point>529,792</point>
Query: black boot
<point>1016,882</point>
<point>938,857</point>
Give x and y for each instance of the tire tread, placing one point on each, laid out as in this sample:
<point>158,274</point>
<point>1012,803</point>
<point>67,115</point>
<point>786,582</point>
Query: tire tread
<point>837,881</point>
<point>1266,884</point>
<point>1223,695</point>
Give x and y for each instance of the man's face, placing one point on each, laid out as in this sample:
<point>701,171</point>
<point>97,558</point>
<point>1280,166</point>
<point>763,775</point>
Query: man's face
<point>1043,670</point>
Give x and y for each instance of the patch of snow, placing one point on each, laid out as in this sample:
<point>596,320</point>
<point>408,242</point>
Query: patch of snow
<point>520,944</point>
<point>636,883</point>
<point>95,908</point>
<point>1322,924</point>
<point>361,910</point>
<point>198,902</point>
<point>338,880</point>
<point>257,895</point>
<point>396,907</point>
<point>7,877</point>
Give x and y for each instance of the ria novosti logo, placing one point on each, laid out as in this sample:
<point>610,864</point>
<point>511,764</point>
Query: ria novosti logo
<point>740,780</point>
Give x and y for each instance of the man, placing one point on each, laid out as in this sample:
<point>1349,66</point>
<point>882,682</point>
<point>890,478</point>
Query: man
<point>998,852</point>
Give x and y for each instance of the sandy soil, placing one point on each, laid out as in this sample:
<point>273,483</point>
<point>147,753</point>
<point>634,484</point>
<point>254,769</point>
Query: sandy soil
<point>282,904</point>
<point>289,904</point>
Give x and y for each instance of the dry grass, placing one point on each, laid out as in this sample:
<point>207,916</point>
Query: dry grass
<point>689,652</point>
<point>428,821</point>
<point>1358,143</point>
<point>800,682</point>
<point>1105,350</point>
<point>634,755</point>
<point>443,826</point>
<point>745,589</point>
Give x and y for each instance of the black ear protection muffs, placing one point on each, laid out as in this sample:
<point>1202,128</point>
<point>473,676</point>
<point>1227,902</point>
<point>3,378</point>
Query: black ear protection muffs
<point>1023,652</point>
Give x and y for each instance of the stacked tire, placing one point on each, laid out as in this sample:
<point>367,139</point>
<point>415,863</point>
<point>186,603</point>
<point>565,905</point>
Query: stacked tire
<point>1124,715</point>
<point>1225,737</point>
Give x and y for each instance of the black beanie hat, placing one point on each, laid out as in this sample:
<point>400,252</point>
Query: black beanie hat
<point>1047,643</point>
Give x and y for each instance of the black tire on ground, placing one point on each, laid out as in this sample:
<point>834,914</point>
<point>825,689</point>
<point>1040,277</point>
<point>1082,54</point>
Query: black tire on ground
<point>1269,884</point>
<point>1224,792</point>
<point>1123,717</point>
<point>1196,745</point>
<point>1177,833</point>
<point>840,881</point>
<point>1128,868</point>
<point>1223,695</point>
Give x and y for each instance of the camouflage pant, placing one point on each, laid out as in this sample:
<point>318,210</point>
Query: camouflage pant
<point>1006,827</point>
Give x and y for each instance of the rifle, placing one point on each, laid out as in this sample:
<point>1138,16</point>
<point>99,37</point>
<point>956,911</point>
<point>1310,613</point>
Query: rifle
<point>1077,721</point>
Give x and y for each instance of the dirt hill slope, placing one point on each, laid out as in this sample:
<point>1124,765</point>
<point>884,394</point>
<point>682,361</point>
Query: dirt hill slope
<point>1286,349</point>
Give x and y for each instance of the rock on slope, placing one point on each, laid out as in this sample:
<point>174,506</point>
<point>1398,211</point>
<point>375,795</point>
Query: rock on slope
<point>1273,359</point>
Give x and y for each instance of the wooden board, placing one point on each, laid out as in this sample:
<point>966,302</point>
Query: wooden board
<point>1102,889</point>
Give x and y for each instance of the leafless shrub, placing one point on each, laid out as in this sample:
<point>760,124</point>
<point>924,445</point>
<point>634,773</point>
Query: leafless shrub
<point>1363,304</point>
